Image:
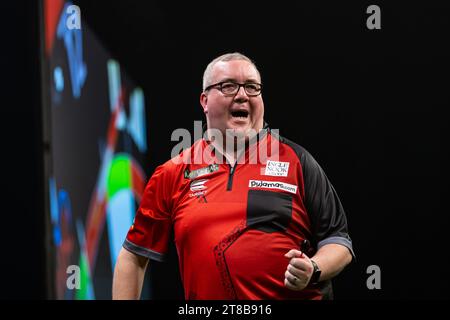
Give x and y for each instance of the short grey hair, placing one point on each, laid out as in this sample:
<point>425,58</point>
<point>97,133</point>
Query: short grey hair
<point>225,57</point>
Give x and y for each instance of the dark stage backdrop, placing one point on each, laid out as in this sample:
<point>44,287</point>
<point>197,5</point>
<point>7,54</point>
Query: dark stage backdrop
<point>368,104</point>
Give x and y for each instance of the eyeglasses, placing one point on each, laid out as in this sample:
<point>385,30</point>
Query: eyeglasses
<point>231,88</point>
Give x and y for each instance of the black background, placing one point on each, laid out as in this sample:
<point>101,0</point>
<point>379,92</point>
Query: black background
<point>368,104</point>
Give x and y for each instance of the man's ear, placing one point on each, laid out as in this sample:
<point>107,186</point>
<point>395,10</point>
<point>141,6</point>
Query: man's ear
<point>204,102</point>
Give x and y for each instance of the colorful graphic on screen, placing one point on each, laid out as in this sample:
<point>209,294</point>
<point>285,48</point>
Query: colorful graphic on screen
<point>98,146</point>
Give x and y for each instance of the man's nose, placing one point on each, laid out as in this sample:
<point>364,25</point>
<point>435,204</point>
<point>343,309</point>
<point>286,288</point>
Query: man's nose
<point>241,95</point>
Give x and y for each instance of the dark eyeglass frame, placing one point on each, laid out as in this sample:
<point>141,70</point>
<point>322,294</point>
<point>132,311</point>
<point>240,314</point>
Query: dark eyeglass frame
<point>213,86</point>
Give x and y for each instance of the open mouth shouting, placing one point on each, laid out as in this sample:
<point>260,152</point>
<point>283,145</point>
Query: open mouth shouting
<point>241,115</point>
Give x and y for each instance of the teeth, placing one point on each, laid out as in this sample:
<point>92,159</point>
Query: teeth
<point>240,114</point>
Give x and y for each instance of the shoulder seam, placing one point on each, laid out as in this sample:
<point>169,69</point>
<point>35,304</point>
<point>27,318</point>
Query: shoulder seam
<point>298,149</point>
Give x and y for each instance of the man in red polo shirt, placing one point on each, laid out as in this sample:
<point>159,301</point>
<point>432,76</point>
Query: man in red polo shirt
<point>254,216</point>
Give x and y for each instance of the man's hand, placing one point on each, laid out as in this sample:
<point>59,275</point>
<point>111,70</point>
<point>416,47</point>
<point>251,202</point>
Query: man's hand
<point>299,270</point>
<point>331,258</point>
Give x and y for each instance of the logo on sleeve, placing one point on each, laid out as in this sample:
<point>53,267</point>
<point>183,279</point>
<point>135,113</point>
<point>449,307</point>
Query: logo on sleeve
<point>277,168</point>
<point>272,185</point>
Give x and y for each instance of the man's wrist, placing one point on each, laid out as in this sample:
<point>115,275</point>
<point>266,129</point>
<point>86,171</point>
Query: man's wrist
<point>315,276</point>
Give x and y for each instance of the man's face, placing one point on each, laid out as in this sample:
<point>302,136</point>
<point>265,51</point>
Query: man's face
<point>239,112</point>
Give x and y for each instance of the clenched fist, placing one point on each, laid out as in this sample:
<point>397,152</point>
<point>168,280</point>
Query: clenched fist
<point>299,270</point>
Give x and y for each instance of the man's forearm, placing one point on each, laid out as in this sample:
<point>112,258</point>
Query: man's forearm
<point>128,275</point>
<point>332,259</point>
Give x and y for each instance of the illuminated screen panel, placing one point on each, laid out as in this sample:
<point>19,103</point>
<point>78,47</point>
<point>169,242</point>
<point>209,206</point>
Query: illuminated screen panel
<point>97,151</point>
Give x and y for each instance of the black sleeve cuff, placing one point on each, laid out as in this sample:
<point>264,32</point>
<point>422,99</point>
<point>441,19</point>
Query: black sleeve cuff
<point>338,240</point>
<point>141,251</point>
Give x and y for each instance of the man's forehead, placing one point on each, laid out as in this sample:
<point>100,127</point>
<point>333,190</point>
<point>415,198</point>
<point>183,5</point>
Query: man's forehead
<point>235,68</point>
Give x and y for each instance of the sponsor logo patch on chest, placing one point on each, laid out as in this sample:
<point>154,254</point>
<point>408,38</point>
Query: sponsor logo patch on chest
<point>273,185</point>
<point>198,189</point>
<point>200,172</point>
<point>276,168</point>
<point>198,185</point>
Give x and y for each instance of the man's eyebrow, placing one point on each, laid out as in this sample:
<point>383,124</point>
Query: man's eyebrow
<point>234,80</point>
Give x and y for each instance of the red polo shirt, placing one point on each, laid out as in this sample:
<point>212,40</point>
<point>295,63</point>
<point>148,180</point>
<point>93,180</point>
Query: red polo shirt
<point>233,225</point>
